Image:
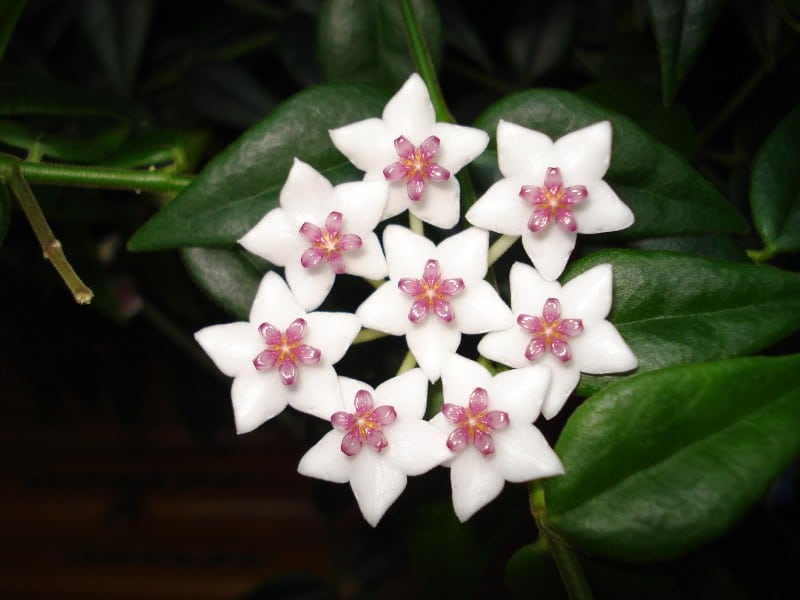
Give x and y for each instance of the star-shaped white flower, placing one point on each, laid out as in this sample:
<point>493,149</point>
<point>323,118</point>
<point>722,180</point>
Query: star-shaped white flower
<point>419,156</point>
<point>281,356</point>
<point>564,328</point>
<point>377,445</point>
<point>488,423</point>
<point>320,231</point>
<point>434,294</point>
<point>550,192</point>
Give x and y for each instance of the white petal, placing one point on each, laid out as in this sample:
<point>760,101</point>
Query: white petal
<point>459,145</point>
<point>349,388</point>
<point>602,210</point>
<point>310,286</point>
<point>376,483</point>
<point>506,347</point>
<point>600,349</point>
<point>549,249</point>
<point>465,255</point>
<point>325,460</point>
<point>440,205</point>
<point>361,204</point>
<point>529,291</point>
<point>588,296</point>
<point>274,238</point>
<point>275,303</point>
<point>410,111</point>
<point>398,199</point>
<point>256,397</point>
<point>479,308</point>
<point>332,333</point>
<point>584,155</point>
<point>522,151</point>
<point>232,346</point>
<point>407,392</point>
<point>368,144</point>
<point>415,447</point>
<point>460,377</point>
<point>501,209</point>
<point>367,261</point>
<point>476,481</point>
<point>564,378</point>
<point>315,391</point>
<point>306,192</point>
<point>386,310</point>
<point>431,342</point>
<point>406,252</point>
<point>520,392</point>
<point>523,454</point>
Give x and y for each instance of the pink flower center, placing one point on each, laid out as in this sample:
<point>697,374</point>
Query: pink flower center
<point>552,202</point>
<point>365,426</point>
<point>549,331</point>
<point>431,293</point>
<point>474,423</point>
<point>328,243</point>
<point>416,165</point>
<point>285,350</point>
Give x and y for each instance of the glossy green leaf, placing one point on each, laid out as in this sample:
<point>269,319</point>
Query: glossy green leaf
<point>365,40</point>
<point>5,211</point>
<point>665,193</point>
<point>710,246</point>
<point>96,140</point>
<point>775,187</point>
<point>663,462</point>
<point>229,277</point>
<point>677,308</point>
<point>763,23</point>
<point>9,13</point>
<point>243,182</point>
<point>681,28</point>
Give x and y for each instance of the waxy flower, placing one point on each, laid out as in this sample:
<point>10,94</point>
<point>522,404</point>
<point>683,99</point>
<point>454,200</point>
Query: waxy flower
<point>434,294</point>
<point>320,231</point>
<point>417,155</point>
<point>281,356</point>
<point>563,328</point>
<point>550,192</point>
<point>379,444</point>
<point>488,421</point>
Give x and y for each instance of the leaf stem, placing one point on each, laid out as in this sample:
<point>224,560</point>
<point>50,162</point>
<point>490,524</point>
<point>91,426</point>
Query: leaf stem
<point>409,362</point>
<point>415,224</point>
<point>569,567</point>
<point>367,335</point>
<point>761,256</point>
<point>51,247</point>
<point>500,247</point>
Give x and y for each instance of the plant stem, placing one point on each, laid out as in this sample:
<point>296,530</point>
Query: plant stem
<point>415,224</point>
<point>500,247</point>
<point>51,247</point>
<point>367,335</point>
<point>569,567</point>
<point>748,87</point>
<point>409,362</point>
<point>762,256</point>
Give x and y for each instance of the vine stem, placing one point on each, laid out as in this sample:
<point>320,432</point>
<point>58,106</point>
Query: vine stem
<point>409,362</point>
<point>569,567</point>
<point>367,335</point>
<point>500,247</point>
<point>51,247</point>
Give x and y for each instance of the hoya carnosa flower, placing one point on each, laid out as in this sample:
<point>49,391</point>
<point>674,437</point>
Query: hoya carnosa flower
<point>417,155</point>
<point>320,231</point>
<point>550,192</point>
<point>283,355</point>
<point>488,423</point>
<point>563,328</point>
<point>379,438</point>
<point>434,294</point>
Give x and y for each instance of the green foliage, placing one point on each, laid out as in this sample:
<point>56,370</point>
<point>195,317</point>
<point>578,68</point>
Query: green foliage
<point>9,13</point>
<point>5,211</point>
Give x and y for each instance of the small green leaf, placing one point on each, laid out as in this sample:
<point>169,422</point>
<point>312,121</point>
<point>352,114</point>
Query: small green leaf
<point>365,40</point>
<point>9,13</point>
<point>666,461</point>
<point>243,182</point>
<point>665,193</point>
<point>5,211</point>
<point>681,28</point>
<point>712,246</point>
<point>162,148</point>
<point>229,277</point>
<point>677,308</point>
<point>775,187</point>
<point>98,138</point>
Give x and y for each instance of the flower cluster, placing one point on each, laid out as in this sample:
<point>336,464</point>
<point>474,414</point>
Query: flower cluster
<point>431,294</point>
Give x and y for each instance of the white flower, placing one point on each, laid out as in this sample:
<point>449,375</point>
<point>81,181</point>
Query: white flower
<point>434,294</point>
<point>320,231</point>
<point>418,155</point>
<point>379,444</point>
<point>551,191</point>
<point>547,314</point>
<point>488,421</point>
<point>281,356</point>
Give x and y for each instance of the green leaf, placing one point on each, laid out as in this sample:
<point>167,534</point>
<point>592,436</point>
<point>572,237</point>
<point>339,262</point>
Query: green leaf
<point>532,568</point>
<point>712,246</point>
<point>243,182</point>
<point>681,28</point>
<point>775,187</point>
<point>160,149</point>
<point>666,461</point>
<point>677,308</point>
<point>97,139</point>
<point>229,277</point>
<point>365,40</point>
<point>665,193</point>
<point>5,211</point>
<point>9,13</point>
